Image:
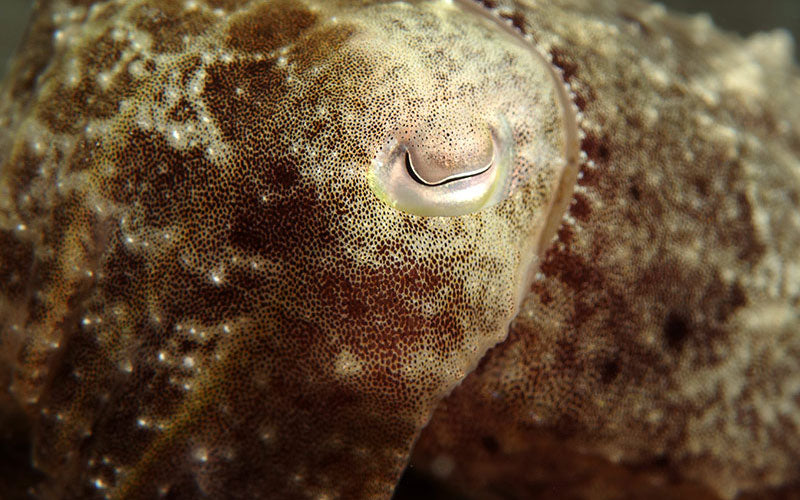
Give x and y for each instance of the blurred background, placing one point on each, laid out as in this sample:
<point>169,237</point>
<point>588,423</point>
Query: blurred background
<point>13,19</point>
<point>743,16</point>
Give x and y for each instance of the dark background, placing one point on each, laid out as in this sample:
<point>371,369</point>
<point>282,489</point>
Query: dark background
<point>743,16</point>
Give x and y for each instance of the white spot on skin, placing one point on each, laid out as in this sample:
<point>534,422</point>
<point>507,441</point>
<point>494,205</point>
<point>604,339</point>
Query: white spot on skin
<point>200,454</point>
<point>347,365</point>
<point>126,366</point>
<point>137,69</point>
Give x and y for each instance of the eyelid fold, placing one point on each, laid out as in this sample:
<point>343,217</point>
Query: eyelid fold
<point>400,177</point>
<point>424,179</point>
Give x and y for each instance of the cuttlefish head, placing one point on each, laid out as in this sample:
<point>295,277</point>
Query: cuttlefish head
<point>349,234</point>
<point>424,173</point>
<point>416,162</point>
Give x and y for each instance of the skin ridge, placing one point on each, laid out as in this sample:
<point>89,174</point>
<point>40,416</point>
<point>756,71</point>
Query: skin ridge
<point>191,306</point>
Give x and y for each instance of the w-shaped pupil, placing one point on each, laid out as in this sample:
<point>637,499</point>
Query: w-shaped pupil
<point>412,171</point>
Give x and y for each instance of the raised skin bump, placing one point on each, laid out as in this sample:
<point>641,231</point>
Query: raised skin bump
<point>212,287</point>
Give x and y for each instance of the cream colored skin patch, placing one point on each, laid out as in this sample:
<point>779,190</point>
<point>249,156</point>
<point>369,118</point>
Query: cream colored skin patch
<point>248,247</point>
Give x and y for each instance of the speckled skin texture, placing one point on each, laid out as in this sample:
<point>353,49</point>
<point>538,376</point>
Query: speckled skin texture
<point>201,295</point>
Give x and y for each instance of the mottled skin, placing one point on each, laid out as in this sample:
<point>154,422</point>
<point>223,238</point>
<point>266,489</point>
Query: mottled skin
<point>658,353</point>
<point>202,296</point>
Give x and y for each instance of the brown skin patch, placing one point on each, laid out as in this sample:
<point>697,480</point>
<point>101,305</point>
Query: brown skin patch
<point>319,44</point>
<point>278,230</point>
<point>561,472</point>
<point>580,208</point>
<point>517,20</point>
<point>568,68</point>
<point>269,26</point>
<point>158,178</point>
<point>622,319</point>
<point>69,109</point>
<point>597,149</point>
<point>228,310</point>
<point>261,85</point>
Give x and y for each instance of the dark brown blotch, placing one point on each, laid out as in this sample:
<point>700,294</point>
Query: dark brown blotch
<point>229,5</point>
<point>125,274</point>
<point>570,268</point>
<point>517,19</point>
<point>580,208</point>
<point>610,370</point>
<point>281,230</point>
<point>244,98</point>
<point>635,191</point>
<point>596,148</point>
<point>677,329</point>
<point>104,53</point>
<point>563,61</point>
<point>172,186</point>
<point>22,171</point>
<point>193,295</point>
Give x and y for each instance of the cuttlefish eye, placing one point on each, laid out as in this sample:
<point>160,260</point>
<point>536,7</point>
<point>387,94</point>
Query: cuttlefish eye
<point>417,177</point>
<point>427,175</point>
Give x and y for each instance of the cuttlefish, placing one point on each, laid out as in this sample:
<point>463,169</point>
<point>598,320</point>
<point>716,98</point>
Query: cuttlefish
<point>284,249</point>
